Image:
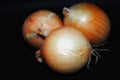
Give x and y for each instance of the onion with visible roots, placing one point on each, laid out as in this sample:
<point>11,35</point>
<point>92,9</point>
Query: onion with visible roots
<point>89,19</point>
<point>66,50</point>
<point>38,25</point>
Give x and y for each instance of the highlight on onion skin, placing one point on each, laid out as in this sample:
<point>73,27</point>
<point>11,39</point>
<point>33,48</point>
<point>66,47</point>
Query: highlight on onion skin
<point>66,50</point>
<point>89,19</point>
<point>38,25</point>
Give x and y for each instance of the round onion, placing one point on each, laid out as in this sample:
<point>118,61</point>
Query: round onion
<point>38,25</point>
<point>66,50</point>
<point>88,19</point>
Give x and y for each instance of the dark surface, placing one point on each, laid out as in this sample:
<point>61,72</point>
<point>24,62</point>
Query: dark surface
<point>20,64</point>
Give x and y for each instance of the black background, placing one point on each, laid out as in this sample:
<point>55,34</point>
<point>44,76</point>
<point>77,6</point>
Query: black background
<point>20,64</point>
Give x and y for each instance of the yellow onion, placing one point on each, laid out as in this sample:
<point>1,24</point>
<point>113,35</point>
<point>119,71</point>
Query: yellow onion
<point>38,25</point>
<point>89,19</point>
<point>65,50</point>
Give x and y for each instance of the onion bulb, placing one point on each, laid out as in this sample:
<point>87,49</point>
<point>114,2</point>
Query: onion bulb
<point>65,50</point>
<point>89,19</point>
<point>38,25</point>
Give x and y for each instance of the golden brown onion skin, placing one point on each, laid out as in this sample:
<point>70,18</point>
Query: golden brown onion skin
<point>40,22</point>
<point>66,50</point>
<point>90,20</point>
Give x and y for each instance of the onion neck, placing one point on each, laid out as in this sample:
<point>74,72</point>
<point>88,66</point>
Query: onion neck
<point>66,11</point>
<point>35,35</point>
<point>38,56</point>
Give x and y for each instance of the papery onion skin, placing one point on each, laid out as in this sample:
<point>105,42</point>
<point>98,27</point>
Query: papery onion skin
<point>66,50</point>
<point>38,56</point>
<point>40,22</point>
<point>89,19</point>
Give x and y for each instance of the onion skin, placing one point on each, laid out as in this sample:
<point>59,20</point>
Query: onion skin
<point>40,22</point>
<point>66,50</point>
<point>88,19</point>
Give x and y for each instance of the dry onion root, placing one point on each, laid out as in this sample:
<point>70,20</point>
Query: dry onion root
<point>95,53</point>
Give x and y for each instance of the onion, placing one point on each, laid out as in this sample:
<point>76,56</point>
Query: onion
<point>66,50</point>
<point>38,25</point>
<point>89,19</point>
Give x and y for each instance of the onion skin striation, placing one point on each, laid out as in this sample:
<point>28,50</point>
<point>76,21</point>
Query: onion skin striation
<point>38,25</point>
<point>66,50</point>
<point>89,19</point>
